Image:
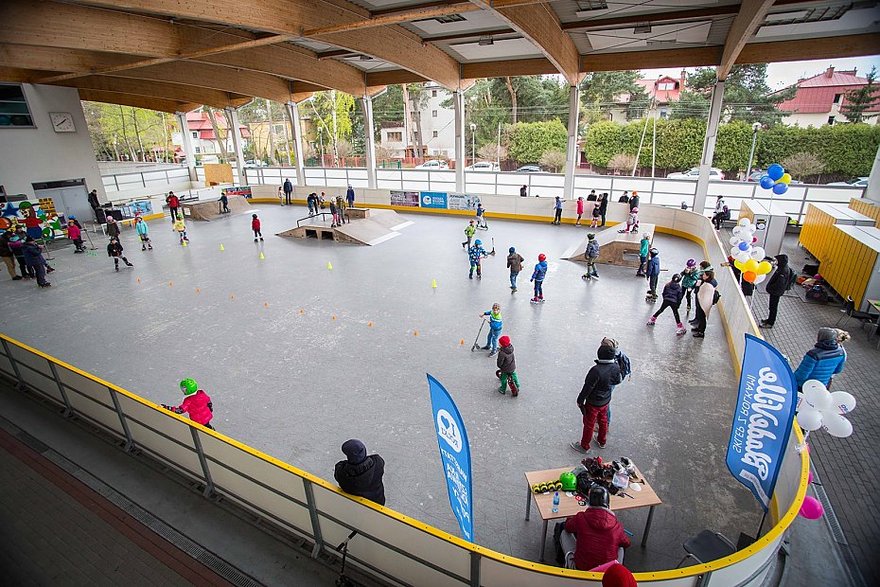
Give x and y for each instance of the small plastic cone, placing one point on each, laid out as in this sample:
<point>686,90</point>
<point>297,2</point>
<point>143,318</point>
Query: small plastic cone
<point>198,290</point>
<point>231,296</point>
<point>138,279</point>
<point>461,342</point>
<point>301,311</point>
<point>370,324</point>
<point>415,332</point>
<point>170,283</point>
<point>333,317</point>
<point>265,304</point>
<point>262,256</point>
<point>434,283</point>
<point>329,266</point>
<point>221,247</point>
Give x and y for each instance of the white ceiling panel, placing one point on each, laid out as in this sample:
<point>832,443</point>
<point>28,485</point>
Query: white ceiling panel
<point>853,21</point>
<point>501,49</point>
<point>569,11</point>
<point>624,39</point>
<point>473,21</point>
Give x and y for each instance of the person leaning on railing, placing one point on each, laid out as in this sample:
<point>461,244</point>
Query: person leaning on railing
<point>361,474</point>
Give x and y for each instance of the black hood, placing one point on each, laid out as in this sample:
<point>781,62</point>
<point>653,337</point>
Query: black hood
<point>782,260</point>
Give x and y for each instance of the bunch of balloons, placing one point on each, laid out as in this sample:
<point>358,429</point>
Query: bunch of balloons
<point>776,179</point>
<point>748,258</point>
<point>819,408</point>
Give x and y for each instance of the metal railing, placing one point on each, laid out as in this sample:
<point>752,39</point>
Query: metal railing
<point>310,216</point>
<point>118,182</point>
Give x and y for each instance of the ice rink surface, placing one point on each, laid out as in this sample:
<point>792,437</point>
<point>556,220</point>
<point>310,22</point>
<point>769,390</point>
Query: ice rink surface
<point>298,358</point>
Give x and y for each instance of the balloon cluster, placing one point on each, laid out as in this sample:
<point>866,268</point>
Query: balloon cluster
<point>776,179</point>
<point>819,408</point>
<point>749,259</point>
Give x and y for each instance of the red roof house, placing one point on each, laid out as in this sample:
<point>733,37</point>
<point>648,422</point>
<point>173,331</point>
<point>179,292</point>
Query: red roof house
<point>199,121</point>
<point>818,99</point>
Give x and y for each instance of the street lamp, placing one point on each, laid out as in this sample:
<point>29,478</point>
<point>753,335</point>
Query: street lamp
<point>755,128</point>
<point>473,143</point>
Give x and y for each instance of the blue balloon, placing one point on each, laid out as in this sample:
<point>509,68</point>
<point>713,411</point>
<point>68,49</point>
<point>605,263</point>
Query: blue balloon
<point>743,246</point>
<point>780,188</point>
<point>775,171</point>
<point>766,182</point>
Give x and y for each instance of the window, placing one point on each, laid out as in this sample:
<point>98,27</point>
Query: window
<point>433,93</point>
<point>666,86</point>
<point>830,121</point>
<point>14,110</point>
<point>433,114</point>
<point>395,136</point>
<point>436,134</point>
<point>198,150</point>
<point>195,134</point>
<point>837,98</point>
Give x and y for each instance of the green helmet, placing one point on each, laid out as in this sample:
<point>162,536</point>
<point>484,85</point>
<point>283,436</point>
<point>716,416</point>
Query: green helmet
<point>569,481</point>
<point>189,386</point>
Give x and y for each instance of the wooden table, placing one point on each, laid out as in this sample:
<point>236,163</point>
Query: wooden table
<point>568,505</point>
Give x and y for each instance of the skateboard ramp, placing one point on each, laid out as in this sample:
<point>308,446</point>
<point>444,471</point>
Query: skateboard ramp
<point>614,248</point>
<point>210,209</point>
<point>378,227</point>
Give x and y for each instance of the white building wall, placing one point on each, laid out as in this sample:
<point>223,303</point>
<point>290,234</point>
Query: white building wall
<point>443,124</point>
<point>398,148</point>
<point>818,119</point>
<point>36,155</point>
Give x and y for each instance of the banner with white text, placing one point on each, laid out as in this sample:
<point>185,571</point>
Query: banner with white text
<point>762,420</point>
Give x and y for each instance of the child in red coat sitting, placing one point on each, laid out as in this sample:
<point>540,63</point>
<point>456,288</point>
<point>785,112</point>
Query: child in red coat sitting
<point>196,402</point>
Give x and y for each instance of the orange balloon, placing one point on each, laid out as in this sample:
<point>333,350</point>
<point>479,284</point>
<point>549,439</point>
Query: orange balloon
<point>750,276</point>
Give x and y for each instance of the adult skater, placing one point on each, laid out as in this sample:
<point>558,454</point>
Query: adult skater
<point>557,206</point>
<point>288,192</point>
<point>538,276</point>
<point>361,474</point>
<point>705,300</point>
<point>173,204</point>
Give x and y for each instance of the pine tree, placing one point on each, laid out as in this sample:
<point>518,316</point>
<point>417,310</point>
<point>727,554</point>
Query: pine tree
<point>862,99</point>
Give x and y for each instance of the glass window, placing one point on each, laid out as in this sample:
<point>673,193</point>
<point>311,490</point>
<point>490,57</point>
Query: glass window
<point>14,111</point>
<point>837,98</point>
<point>831,121</point>
<point>395,136</point>
<point>433,93</point>
<point>435,134</point>
<point>195,134</point>
<point>433,113</point>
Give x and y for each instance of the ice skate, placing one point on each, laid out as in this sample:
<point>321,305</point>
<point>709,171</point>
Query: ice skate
<point>586,277</point>
<point>681,330</point>
<point>535,300</point>
<point>652,321</point>
<point>595,276</point>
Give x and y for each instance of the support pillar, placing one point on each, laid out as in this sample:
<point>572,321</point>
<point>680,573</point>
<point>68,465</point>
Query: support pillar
<point>232,119</point>
<point>188,150</point>
<point>872,192</point>
<point>709,147</point>
<point>369,141</point>
<point>296,133</point>
<point>571,152</point>
<point>458,103</point>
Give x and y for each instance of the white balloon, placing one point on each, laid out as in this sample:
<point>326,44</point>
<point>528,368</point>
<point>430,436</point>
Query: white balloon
<point>734,240</point>
<point>843,402</point>
<point>736,230</point>
<point>816,395</point>
<point>758,253</point>
<point>734,251</point>
<point>800,399</point>
<point>760,279</point>
<point>744,221</point>
<point>809,419</point>
<point>837,426</point>
<point>742,256</point>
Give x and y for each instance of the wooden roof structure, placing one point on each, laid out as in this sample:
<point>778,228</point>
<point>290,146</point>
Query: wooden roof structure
<point>174,55</point>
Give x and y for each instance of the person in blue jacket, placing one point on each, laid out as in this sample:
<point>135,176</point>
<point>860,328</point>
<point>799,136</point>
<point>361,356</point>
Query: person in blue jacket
<point>538,276</point>
<point>652,272</point>
<point>495,325</point>
<point>822,362</point>
<point>476,254</point>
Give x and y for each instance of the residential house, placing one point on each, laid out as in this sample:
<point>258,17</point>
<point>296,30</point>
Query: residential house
<point>205,143</point>
<point>662,92</point>
<point>818,99</point>
<point>437,126</point>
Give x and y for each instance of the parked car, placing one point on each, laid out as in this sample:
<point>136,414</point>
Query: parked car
<point>756,176</point>
<point>433,164</point>
<point>483,166</point>
<point>530,169</point>
<point>694,173</point>
<point>858,182</point>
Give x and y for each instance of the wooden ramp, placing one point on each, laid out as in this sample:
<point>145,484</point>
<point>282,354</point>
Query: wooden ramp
<point>210,209</point>
<point>378,227</point>
<point>614,248</point>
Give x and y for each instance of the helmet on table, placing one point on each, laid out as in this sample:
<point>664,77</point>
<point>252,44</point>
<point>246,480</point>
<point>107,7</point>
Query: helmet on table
<point>189,386</point>
<point>568,480</point>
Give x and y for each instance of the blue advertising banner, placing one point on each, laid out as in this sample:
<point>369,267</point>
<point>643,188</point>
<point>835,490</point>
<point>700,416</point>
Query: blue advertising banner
<point>434,200</point>
<point>762,421</point>
<point>455,454</point>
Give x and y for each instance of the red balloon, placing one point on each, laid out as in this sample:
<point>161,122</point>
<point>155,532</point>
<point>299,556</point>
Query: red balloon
<point>754,239</point>
<point>750,276</point>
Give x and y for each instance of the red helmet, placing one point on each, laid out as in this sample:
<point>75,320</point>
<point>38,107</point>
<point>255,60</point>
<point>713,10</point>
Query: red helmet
<point>541,257</point>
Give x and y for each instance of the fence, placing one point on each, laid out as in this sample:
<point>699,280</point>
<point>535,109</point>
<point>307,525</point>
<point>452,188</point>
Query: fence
<point>392,546</point>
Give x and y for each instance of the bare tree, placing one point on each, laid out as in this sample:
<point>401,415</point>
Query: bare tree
<point>553,159</point>
<point>492,152</point>
<point>512,92</point>
<point>802,165</point>
<point>221,140</point>
<point>622,162</point>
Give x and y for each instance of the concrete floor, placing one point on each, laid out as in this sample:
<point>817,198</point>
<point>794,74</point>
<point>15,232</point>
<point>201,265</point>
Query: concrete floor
<point>285,348</point>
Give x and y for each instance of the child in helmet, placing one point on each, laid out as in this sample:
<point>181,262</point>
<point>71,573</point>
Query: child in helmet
<point>632,222</point>
<point>469,231</point>
<point>538,276</point>
<point>476,254</point>
<point>255,226</point>
<point>507,367</point>
<point>591,254</point>
<point>481,220</point>
<point>115,251</point>
<point>196,402</point>
<point>652,272</point>
<point>143,232</point>
<point>689,276</point>
<point>644,246</point>
<point>495,324</point>
<point>514,263</point>
<point>74,233</point>
<point>180,227</point>
<point>673,292</point>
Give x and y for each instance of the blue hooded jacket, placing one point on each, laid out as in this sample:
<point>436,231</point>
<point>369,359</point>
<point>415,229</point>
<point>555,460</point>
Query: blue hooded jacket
<point>653,266</point>
<point>821,362</point>
<point>540,271</point>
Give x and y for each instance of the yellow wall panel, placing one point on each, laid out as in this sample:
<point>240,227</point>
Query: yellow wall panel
<point>848,265</point>
<point>867,208</point>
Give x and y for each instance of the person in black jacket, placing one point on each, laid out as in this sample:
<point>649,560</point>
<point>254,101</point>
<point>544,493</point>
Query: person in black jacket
<point>360,474</point>
<point>114,250</point>
<point>603,206</point>
<point>776,286</point>
<point>595,396</point>
<point>634,201</point>
<point>33,256</point>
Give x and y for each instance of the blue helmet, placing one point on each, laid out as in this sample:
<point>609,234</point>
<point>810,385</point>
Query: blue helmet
<point>478,242</point>
<point>511,250</point>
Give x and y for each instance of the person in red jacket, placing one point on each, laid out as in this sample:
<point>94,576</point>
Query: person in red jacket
<point>74,233</point>
<point>255,226</point>
<point>196,402</point>
<point>173,204</point>
<point>598,532</point>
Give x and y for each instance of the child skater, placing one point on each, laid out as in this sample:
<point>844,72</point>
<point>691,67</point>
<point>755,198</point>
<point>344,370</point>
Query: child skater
<point>597,213</point>
<point>495,324</point>
<point>255,226</point>
<point>507,367</point>
<point>476,254</point>
<point>35,261</point>
<point>591,254</point>
<point>689,276</point>
<point>580,210</point>
<point>196,402</point>
<point>481,219</point>
<point>334,213</point>
<point>644,245</point>
<point>673,292</point>
<point>469,232</point>
<point>143,232</point>
<point>632,222</point>
<point>652,272</point>
<point>538,276</point>
<point>180,227</point>
<point>114,250</point>
<point>514,263</point>
<point>74,233</point>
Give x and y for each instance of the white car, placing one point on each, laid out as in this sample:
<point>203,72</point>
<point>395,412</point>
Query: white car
<point>694,173</point>
<point>433,164</point>
<point>859,182</point>
<point>483,166</point>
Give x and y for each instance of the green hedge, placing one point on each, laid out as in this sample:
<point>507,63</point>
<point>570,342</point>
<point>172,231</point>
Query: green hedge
<point>530,140</point>
<point>846,149</point>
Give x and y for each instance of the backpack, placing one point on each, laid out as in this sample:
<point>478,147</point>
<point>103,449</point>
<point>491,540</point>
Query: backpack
<point>792,279</point>
<point>716,297</point>
<point>624,364</point>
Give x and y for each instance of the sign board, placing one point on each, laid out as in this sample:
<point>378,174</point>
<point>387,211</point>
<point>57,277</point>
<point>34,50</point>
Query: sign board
<point>434,200</point>
<point>244,190</point>
<point>462,202</point>
<point>400,198</point>
<point>762,420</point>
<point>455,456</point>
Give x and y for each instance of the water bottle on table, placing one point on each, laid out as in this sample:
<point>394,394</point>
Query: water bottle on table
<point>556,503</point>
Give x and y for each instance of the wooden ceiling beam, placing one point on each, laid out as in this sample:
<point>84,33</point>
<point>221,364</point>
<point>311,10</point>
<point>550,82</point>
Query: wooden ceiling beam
<point>52,59</point>
<point>750,17</point>
<point>825,48</point>
<point>158,104</point>
<point>488,69</point>
<point>169,91</point>
<point>539,24</point>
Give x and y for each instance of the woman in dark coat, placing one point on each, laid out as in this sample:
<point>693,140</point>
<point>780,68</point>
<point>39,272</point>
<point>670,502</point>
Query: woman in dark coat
<point>360,474</point>
<point>603,206</point>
